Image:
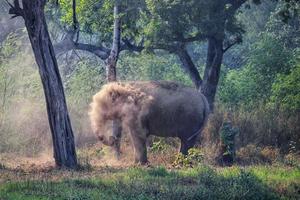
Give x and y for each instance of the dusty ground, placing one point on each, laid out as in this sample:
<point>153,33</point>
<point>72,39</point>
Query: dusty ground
<point>94,160</point>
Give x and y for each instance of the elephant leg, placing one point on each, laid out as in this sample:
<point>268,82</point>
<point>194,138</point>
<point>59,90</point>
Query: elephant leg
<point>186,145</point>
<point>117,133</point>
<point>140,150</point>
<point>117,148</point>
<point>149,142</point>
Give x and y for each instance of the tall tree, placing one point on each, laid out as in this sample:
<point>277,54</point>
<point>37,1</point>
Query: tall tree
<point>173,25</point>
<point>60,125</point>
<point>168,25</point>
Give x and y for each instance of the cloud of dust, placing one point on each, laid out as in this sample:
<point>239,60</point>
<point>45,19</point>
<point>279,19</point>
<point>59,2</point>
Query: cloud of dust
<point>117,101</point>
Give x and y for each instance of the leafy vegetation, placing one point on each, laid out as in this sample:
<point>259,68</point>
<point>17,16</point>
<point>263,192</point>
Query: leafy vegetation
<point>259,86</point>
<point>158,183</point>
<point>285,90</point>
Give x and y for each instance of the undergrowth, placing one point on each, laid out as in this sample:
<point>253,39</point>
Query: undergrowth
<point>201,182</point>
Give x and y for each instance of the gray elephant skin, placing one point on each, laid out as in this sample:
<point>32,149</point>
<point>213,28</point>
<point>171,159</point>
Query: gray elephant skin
<point>160,108</point>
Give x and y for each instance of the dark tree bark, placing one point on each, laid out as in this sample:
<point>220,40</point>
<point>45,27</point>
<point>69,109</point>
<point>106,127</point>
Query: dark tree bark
<point>212,70</point>
<point>60,125</point>
<point>211,76</point>
<point>189,67</point>
<point>111,62</point>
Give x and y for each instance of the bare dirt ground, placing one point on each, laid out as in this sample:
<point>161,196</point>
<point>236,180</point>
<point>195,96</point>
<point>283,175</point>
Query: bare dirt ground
<point>94,160</point>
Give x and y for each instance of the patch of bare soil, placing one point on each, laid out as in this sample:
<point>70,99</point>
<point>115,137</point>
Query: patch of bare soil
<point>95,160</point>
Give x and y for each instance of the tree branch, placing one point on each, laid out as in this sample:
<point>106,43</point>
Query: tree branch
<point>68,44</point>
<point>127,44</point>
<point>237,40</point>
<point>189,66</point>
<point>235,5</point>
<point>99,51</point>
<point>15,9</point>
<point>197,37</point>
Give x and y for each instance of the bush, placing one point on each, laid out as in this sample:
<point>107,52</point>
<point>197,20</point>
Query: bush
<point>159,145</point>
<point>144,66</point>
<point>286,91</point>
<point>227,143</point>
<point>193,159</point>
<point>210,134</point>
<point>253,154</point>
<point>292,159</point>
<point>253,83</point>
<point>271,154</point>
<point>262,125</point>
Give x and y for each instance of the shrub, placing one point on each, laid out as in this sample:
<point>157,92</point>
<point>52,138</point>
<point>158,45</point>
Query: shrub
<point>193,159</point>
<point>262,125</point>
<point>286,90</point>
<point>253,154</point>
<point>159,145</point>
<point>227,143</point>
<point>210,134</point>
<point>292,159</point>
<point>271,154</point>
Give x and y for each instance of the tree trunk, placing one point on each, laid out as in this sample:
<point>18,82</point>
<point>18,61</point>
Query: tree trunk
<point>112,60</point>
<point>212,70</point>
<point>60,126</point>
<point>111,72</point>
<point>189,67</point>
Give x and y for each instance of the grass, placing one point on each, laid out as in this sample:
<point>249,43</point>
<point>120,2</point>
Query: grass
<point>202,182</point>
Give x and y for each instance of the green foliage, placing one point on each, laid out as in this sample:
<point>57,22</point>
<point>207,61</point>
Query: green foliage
<point>227,136</point>
<point>84,82</point>
<point>169,20</point>
<point>167,23</point>
<point>9,47</point>
<point>159,146</point>
<point>7,81</point>
<point>20,96</point>
<point>274,52</point>
<point>286,90</point>
<point>253,83</point>
<point>193,159</point>
<point>288,10</point>
<point>258,182</point>
<point>151,67</point>
<point>90,11</point>
<point>263,93</point>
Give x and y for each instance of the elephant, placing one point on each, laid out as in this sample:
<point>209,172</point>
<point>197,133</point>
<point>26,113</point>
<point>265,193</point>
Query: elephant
<point>144,108</point>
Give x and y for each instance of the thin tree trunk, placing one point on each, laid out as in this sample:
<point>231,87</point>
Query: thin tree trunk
<point>60,126</point>
<point>212,70</point>
<point>112,60</point>
<point>111,72</point>
<point>189,67</point>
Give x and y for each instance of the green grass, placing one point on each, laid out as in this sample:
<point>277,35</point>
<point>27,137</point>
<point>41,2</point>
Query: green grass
<point>256,182</point>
